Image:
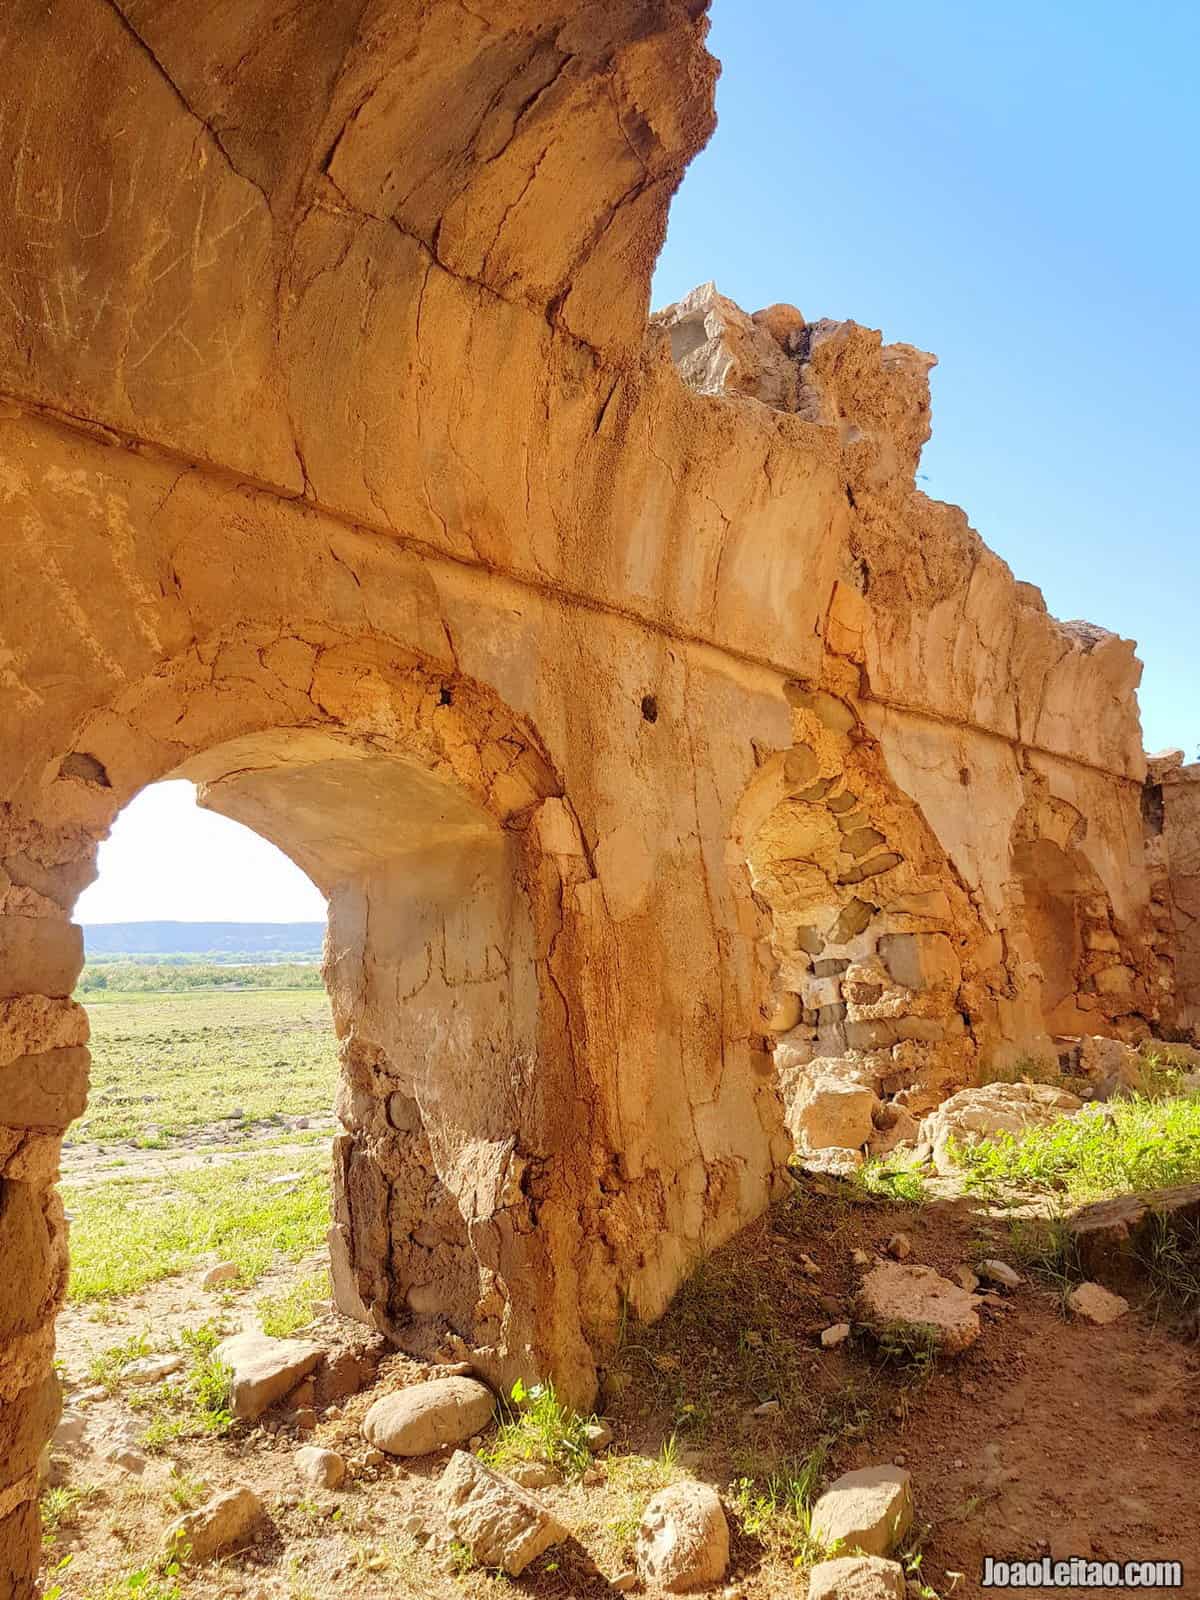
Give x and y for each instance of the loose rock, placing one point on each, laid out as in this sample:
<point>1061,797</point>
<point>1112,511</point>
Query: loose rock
<point>500,1523</point>
<point>152,1369</point>
<point>223,1272</point>
<point>325,1469</point>
<point>1094,1303</point>
<point>974,1116</point>
<point>899,1246</point>
<point>838,1334</point>
<point>1000,1272</point>
<point>597,1436</point>
<point>264,1369</point>
<point>918,1298</point>
<point>857,1578</point>
<point>428,1416</point>
<point>683,1541</point>
<point>869,1511</point>
<point>226,1522</point>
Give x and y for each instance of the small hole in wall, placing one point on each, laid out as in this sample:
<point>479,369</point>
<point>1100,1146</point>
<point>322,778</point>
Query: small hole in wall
<point>649,708</point>
<point>81,765</point>
<point>446,697</point>
<point>964,777</point>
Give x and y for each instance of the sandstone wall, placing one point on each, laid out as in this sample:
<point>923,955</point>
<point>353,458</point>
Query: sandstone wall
<point>630,704</point>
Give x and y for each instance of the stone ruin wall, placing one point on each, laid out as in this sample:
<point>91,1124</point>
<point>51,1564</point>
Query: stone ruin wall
<point>651,734</point>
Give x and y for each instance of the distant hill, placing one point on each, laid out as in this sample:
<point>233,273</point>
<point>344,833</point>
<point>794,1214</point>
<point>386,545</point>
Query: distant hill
<point>209,941</point>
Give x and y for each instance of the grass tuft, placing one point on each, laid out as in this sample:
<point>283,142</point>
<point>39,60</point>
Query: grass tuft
<point>538,1427</point>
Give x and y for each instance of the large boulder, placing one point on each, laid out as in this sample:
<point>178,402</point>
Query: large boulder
<point>919,1303</point>
<point>975,1115</point>
<point>833,1113</point>
<point>264,1369</point>
<point>869,1510</point>
<point>226,1522</point>
<point>427,1416</point>
<point>683,1541</point>
<point>501,1524</point>
<point>857,1578</point>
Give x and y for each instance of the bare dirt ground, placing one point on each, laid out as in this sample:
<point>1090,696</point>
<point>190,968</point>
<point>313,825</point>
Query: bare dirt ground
<point>1048,1436</point>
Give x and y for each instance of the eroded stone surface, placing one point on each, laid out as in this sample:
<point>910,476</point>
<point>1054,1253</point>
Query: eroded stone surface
<point>918,1302</point>
<point>683,1540</point>
<point>501,1524</point>
<point>264,1369</point>
<point>975,1116</point>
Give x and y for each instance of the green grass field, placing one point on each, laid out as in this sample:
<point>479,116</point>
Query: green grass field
<point>178,1062</point>
<point>167,1066</point>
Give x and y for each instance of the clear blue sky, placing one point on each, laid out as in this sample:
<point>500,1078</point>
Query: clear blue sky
<point>1013,187</point>
<point>1010,186</point>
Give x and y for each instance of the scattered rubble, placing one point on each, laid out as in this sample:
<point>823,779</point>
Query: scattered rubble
<point>857,1578</point>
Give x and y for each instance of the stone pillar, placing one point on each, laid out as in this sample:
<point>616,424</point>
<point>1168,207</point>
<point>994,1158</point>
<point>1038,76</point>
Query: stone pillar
<point>43,1087</point>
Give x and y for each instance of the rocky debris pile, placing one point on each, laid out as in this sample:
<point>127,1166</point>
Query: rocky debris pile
<point>425,1417</point>
<point>868,1511</point>
<point>500,1523</point>
<point>683,1540</point>
<point>975,1115</point>
<point>895,1298</point>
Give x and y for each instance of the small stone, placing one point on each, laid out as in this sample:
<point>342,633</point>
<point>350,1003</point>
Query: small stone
<point>535,1474</point>
<point>624,1582</point>
<point>88,1397</point>
<point>809,1267</point>
<point>870,1510</point>
<point>1096,1304</point>
<point>1001,1273</point>
<point>152,1369</point>
<point>223,1272</point>
<point>899,1246</point>
<point>374,1458</point>
<point>226,1522</point>
<point>857,1578</point>
<point>860,1258</point>
<point>837,1334</point>
<point>597,1436</point>
<point>324,1469</point>
<point>427,1416</point>
<point>966,1279</point>
<point>959,1465</point>
<point>769,1408</point>
<point>305,1419</point>
<point>683,1540</point>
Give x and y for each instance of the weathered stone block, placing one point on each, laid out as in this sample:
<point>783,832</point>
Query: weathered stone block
<point>45,1091</point>
<point>39,955</point>
<point>920,960</point>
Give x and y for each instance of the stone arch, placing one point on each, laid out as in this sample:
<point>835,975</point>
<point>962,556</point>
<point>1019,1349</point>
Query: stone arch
<point>870,949</point>
<point>435,824</point>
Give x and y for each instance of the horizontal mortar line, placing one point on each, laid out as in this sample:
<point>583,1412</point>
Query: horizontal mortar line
<point>104,433</point>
